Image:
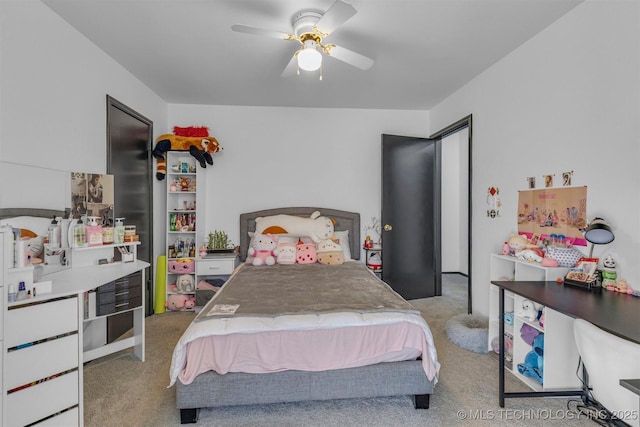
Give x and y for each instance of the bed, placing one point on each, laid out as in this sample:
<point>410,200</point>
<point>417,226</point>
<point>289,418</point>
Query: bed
<point>302,317</point>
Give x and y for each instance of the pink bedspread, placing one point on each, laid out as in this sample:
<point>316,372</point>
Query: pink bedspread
<point>307,350</point>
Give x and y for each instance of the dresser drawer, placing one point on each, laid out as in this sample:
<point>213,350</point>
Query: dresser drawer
<point>115,307</point>
<point>118,295</point>
<point>40,361</point>
<point>34,403</point>
<point>216,266</point>
<point>38,321</point>
<point>131,281</point>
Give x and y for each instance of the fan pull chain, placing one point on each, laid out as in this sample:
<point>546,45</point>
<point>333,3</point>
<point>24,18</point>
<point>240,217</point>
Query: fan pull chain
<point>320,72</point>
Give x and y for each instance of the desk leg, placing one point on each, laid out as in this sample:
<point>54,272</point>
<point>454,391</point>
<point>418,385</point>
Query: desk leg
<point>501,346</point>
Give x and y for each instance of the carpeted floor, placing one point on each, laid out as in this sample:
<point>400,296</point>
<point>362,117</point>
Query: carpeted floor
<point>122,391</point>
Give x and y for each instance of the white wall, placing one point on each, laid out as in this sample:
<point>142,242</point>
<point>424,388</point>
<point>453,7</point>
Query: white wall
<point>53,86</point>
<point>569,99</point>
<point>275,157</point>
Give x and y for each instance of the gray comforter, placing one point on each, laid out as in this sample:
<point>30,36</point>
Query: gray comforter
<point>304,289</point>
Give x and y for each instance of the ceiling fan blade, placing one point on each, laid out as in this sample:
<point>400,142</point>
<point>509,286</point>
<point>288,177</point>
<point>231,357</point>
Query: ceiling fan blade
<point>350,57</point>
<point>262,32</point>
<point>291,67</point>
<point>338,14</point>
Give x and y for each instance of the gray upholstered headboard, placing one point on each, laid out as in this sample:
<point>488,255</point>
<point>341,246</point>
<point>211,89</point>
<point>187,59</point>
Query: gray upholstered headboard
<point>42,213</point>
<point>343,221</point>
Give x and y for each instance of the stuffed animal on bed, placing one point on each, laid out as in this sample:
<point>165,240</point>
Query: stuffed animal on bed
<point>315,226</point>
<point>330,253</point>
<point>195,140</point>
<point>263,249</point>
<point>306,253</point>
<point>286,253</point>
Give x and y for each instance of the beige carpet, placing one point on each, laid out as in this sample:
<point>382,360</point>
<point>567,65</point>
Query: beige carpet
<point>122,391</point>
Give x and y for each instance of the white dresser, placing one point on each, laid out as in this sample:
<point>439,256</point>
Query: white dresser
<point>42,338</point>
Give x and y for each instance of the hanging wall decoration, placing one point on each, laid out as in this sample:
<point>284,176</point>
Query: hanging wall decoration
<point>493,200</point>
<point>566,178</point>
<point>548,180</point>
<point>532,182</point>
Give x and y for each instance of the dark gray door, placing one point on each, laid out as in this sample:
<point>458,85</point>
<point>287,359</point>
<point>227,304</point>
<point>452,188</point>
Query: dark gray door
<point>129,138</point>
<point>411,216</point>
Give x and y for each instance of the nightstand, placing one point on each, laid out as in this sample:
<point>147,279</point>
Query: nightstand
<point>214,269</point>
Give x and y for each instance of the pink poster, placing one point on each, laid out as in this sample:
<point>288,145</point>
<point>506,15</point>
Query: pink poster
<point>553,212</point>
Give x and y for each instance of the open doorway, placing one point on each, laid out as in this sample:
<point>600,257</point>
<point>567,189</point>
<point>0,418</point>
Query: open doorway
<point>455,144</point>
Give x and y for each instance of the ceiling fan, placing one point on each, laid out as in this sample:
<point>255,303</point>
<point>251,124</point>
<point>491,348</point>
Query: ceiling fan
<point>310,28</point>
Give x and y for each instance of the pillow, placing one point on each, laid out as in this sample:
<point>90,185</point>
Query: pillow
<point>343,239</point>
<point>37,225</point>
<point>330,253</point>
<point>306,253</point>
<point>286,253</point>
<point>315,226</point>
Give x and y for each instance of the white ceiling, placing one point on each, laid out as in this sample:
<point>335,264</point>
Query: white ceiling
<point>424,50</point>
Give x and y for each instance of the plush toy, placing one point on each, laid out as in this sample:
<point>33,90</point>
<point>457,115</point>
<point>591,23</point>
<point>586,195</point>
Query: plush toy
<point>518,243</point>
<point>315,226</point>
<point>534,360</point>
<point>181,266</point>
<point>263,249</point>
<point>286,253</point>
<point>306,253</point>
<point>529,255</point>
<point>195,140</point>
<point>185,283</point>
<point>179,302</point>
<point>529,311</point>
<point>330,253</point>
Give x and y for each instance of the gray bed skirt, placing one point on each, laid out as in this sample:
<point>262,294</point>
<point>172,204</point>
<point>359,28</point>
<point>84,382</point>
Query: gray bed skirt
<point>383,379</point>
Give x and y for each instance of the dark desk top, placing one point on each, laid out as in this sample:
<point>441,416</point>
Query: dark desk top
<point>616,313</point>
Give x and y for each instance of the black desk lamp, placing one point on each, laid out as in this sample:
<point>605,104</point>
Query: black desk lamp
<point>598,233</point>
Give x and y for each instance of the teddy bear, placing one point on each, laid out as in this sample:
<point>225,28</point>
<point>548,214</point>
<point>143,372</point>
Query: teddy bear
<point>330,253</point>
<point>533,365</point>
<point>517,243</point>
<point>195,140</point>
<point>179,302</point>
<point>263,249</point>
<point>185,284</point>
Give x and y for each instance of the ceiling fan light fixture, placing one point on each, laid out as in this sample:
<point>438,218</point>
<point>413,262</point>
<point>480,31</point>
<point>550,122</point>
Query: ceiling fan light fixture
<point>309,59</point>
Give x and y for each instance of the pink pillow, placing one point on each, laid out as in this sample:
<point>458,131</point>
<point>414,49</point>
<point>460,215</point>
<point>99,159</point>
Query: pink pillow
<point>306,253</point>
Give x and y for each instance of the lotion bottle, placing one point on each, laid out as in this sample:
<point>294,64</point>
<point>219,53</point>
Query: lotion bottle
<point>119,232</point>
<point>79,234</point>
<point>94,232</point>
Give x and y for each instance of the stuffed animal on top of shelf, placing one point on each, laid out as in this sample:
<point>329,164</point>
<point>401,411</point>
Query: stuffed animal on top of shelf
<point>185,283</point>
<point>195,140</point>
<point>518,243</point>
